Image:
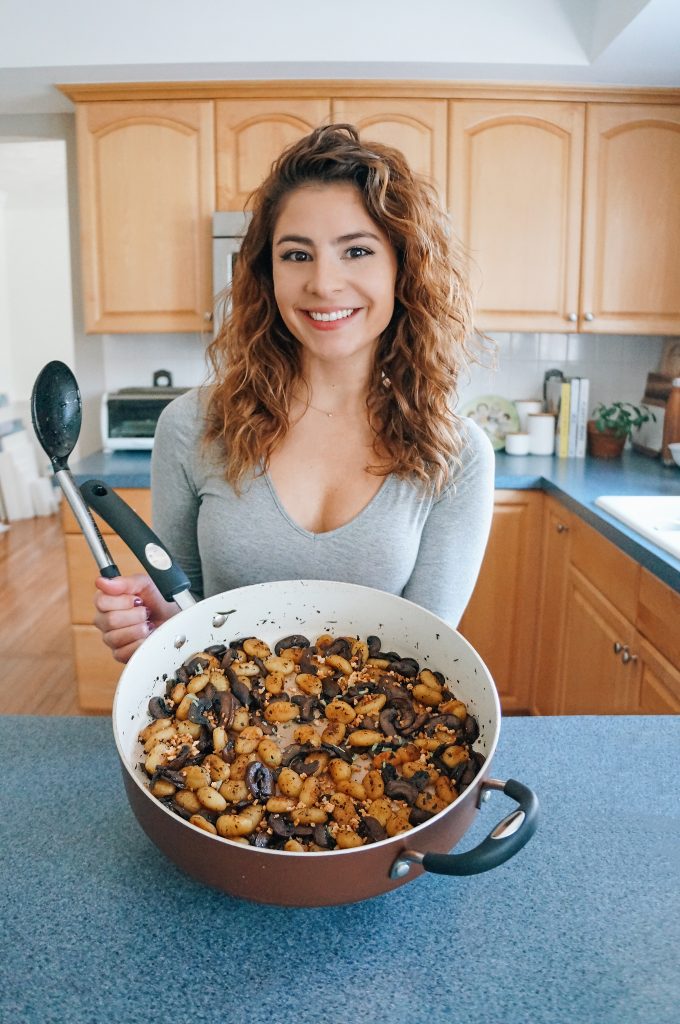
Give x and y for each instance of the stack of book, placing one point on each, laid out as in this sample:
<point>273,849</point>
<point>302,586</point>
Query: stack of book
<point>572,420</point>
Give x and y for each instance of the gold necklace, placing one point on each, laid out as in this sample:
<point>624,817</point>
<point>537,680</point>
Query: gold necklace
<point>308,405</point>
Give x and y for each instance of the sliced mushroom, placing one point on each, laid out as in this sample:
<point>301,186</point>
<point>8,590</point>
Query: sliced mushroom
<point>260,781</point>
<point>341,647</point>
<point>196,665</point>
<point>240,690</point>
<point>373,643</point>
<point>260,839</point>
<point>224,706</point>
<point>322,837</point>
<point>418,816</point>
<point>330,688</point>
<point>295,640</point>
<point>372,829</point>
<point>417,725</point>
<point>406,713</point>
<point>471,729</point>
<point>407,667</point>
<point>281,826</point>
<point>217,650</point>
<point>401,789</point>
<point>158,708</point>
<point>450,722</point>
<point>388,718</point>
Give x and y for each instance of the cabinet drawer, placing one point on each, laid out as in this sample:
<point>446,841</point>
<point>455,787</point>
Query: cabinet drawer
<point>614,574</point>
<point>658,616</point>
<point>96,671</point>
<point>139,498</point>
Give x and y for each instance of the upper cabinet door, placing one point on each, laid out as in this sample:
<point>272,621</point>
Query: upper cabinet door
<point>415,127</point>
<point>515,183</point>
<point>146,198</point>
<point>631,251</point>
<point>251,134</point>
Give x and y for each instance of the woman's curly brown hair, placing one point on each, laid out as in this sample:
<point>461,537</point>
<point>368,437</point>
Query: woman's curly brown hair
<point>256,361</point>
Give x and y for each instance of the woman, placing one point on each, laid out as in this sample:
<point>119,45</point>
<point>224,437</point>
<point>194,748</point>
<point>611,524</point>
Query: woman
<point>326,447</point>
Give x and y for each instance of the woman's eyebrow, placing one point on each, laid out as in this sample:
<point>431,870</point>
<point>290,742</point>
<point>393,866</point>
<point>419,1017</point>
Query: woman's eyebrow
<point>303,240</point>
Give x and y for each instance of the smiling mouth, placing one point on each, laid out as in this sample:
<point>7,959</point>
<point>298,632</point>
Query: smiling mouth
<point>336,314</point>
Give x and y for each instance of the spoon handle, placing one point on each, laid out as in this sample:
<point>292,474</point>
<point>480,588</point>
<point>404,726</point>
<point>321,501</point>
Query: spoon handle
<point>107,566</point>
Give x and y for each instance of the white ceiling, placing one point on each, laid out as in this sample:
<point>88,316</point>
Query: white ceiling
<point>615,42</point>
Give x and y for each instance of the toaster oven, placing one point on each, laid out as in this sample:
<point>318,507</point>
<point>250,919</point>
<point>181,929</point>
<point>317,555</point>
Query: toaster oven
<point>129,416</point>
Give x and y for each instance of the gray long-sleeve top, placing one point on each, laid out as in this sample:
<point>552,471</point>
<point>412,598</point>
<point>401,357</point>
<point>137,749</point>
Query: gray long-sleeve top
<point>404,541</point>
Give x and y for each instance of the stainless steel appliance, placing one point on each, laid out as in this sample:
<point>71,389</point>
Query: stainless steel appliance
<point>129,416</point>
<point>228,231</point>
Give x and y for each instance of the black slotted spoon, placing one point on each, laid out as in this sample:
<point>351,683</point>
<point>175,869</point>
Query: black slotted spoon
<point>56,411</point>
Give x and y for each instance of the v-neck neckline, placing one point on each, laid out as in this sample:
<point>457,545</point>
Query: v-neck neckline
<point>325,533</point>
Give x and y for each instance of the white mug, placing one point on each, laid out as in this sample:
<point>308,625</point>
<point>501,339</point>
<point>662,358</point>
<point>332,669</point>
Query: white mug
<point>541,433</point>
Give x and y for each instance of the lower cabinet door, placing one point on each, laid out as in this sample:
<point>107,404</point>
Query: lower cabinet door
<point>659,692</point>
<point>599,670</point>
<point>500,620</point>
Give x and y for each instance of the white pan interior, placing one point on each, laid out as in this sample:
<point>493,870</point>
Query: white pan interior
<point>310,607</point>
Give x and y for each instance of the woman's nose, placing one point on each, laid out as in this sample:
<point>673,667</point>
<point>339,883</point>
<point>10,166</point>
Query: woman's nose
<point>325,277</point>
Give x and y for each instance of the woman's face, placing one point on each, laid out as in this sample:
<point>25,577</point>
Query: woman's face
<point>334,272</point>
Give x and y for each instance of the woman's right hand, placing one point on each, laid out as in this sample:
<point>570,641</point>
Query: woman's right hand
<point>128,609</point>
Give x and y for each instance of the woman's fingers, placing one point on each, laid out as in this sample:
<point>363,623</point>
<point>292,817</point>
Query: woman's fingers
<point>124,642</point>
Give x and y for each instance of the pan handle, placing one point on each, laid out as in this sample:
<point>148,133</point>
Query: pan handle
<point>170,579</point>
<point>506,839</point>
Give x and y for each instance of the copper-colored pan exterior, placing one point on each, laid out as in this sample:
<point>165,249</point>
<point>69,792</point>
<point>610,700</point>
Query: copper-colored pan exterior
<point>272,611</point>
<point>294,879</point>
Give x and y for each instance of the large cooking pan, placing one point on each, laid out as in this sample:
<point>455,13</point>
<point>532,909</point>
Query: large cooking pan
<point>272,611</point>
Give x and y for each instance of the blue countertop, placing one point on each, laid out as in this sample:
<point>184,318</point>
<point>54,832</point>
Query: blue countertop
<point>574,482</point>
<point>581,927</point>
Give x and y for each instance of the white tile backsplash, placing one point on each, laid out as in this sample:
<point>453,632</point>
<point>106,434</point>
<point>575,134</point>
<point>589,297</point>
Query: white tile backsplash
<point>617,365</point>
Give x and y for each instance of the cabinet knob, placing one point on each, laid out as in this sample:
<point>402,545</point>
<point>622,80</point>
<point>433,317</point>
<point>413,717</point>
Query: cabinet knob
<point>208,317</point>
<point>572,318</point>
<point>627,656</point>
<point>561,528</point>
<point>617,647</point>
<point>588,316</point>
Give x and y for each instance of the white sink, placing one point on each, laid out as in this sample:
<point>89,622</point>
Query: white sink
<point>656,517</point>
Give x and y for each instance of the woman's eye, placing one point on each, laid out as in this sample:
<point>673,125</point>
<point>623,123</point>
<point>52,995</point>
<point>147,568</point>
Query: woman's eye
<point>295,256</point>
<point>358,250</point>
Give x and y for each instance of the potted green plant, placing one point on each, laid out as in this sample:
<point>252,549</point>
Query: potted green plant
<point>612,425</point>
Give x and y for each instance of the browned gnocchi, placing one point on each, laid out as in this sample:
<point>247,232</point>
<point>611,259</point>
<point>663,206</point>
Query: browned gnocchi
<point>310,746</point>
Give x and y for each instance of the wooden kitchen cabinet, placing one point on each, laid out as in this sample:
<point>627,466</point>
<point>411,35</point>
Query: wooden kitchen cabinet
<point>500,620</point>
<point>251,133</point>
<point>557,532</point>
<point>146,184</point>
<point>631,224</point>
<point>415,127</point>
<point>608,636</point>
<point>515,189</point>
<point>594,678</point>
<point>96,672</point>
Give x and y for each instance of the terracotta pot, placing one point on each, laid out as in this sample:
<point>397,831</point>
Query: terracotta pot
<point>604,444</point>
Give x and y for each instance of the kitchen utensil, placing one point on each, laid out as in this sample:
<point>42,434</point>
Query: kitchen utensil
<point>170,579</point>
<point>495,415</point>
<point>56,411</point>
